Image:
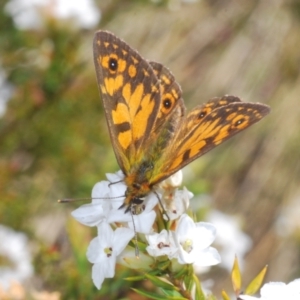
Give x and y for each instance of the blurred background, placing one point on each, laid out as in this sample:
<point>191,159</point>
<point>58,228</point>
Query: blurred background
<point>54,142</point>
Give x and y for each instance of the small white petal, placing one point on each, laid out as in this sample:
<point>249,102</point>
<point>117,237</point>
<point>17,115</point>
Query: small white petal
<point>143,223</point>
<point>115,177</point>
<point>294,286</point>
<point>122,236</point>
<point>207,232</point>
<point>105,234</point>
<point>110,266</point>
<point>100,271</point>
<point>95,251</point>
<point>101,190</point>
<point>150,202</point>
<point>117,188</point>
<point>246,297</point>
<point>118,215</point>
<point>208,257</point>
<point>91,214</point>
<point>117,193</point>
<point>98,275</point>
<point>185,226</point>
<point>174,180</point>
<point>277,290</point>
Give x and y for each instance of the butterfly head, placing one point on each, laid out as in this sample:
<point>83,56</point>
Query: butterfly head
<point>135,196</point>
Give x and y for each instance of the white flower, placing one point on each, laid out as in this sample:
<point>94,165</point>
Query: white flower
<point>161,244</point>
<point>105,208</point>
<point>175,202</point>
<point>188,244</point>
<point>107,198</point>
<point>179,204</point>
<point>104,249</point>
<point>193,240</point>
<point>278,291</point>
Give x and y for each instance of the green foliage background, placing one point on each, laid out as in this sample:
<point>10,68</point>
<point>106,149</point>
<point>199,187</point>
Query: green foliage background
<point>54,142</point>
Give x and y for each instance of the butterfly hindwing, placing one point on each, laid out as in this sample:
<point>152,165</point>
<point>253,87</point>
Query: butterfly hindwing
<point>171,96</point>
<point>201,111</point>
<point>170,114</point>
<point>200,134</point>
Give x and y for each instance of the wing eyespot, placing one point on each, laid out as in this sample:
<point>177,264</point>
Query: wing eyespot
<point>167,103</point>
<point>239,122</point>
<point>202,115</point>
<point>113,64</point>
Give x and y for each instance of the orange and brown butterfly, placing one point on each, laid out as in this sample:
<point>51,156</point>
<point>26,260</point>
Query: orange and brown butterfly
<point>152,136</point>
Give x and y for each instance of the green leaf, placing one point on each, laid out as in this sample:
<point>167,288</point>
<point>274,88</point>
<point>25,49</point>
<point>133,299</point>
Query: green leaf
<point>161,282</point>
<point>171,293</point>
<point>143,276</point>
<point>156,296</point>
<point>256,283</point>
<point>142,246</point>
<point>163,265</point>
<point>189,282</point>
<point>199,295</point>
<point>182,272</point>
<point>135,278</point>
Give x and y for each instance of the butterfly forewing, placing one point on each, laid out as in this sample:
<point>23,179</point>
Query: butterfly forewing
<point>131,96</point>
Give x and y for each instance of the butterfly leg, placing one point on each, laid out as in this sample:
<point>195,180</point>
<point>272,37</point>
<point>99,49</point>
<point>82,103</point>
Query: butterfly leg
<point>162,207</point>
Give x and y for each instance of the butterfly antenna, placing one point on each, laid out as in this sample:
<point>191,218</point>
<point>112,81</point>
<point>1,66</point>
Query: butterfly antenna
<point>111,183</point>
<point>137,251</point>
<point>69,200</point>
<point>162,207</point>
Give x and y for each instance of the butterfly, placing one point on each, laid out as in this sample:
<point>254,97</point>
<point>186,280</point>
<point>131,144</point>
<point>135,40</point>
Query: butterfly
<point>152,135</point>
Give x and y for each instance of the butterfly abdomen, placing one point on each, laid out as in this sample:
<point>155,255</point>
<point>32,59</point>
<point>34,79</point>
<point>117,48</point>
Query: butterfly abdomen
<point>137,179</point>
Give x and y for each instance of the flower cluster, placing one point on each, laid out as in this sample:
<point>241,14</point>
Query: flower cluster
<point>175,236</point>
